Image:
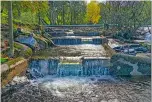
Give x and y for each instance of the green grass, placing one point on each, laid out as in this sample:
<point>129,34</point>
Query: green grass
<point>3,60</point>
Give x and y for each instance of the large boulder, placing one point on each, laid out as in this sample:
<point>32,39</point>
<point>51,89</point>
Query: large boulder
<point>28,40</point>
<point>127,65</point>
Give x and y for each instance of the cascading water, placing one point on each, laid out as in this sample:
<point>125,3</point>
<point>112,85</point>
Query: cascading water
<point>69,70</point>
<point>76,40</point>
<point>94,67</point>
<point>57,34</point>
<point>67,66</point>
<point>66,41</point>
<point>88,67</point>
<point>40,68</point>
<point>75,77</point>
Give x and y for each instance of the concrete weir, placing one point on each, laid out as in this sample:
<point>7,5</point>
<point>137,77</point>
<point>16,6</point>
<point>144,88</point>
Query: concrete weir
<point>67,66</point>
<point>80,54</point>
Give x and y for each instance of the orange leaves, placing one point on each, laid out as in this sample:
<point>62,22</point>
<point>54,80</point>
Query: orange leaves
<point>93,12</point>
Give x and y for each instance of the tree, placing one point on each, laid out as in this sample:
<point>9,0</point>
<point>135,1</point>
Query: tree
<point>93,12</point>
<point>10,23</point>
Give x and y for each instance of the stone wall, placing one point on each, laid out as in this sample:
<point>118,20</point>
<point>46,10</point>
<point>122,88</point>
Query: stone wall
<point>126,65</point>
<point>10,71</point>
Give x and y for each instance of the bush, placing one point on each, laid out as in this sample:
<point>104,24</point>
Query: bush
<point>3,60</point>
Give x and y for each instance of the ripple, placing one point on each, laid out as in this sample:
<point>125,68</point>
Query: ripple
<point>78,89</point>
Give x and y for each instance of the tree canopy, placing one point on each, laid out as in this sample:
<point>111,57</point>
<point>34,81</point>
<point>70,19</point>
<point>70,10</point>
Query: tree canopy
<point>93,12</point>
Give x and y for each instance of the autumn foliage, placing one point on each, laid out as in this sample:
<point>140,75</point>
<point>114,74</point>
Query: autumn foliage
<point>93,12</point>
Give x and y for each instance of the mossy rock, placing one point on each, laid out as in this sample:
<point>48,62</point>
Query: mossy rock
<point>144,68</point>
<point>129,58</point>
<point>43,42</point>
<point>13,61</point>
<point>140,65</point>
<point>22,50</point>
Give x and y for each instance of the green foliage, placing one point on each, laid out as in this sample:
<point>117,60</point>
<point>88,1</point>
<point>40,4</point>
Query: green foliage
<point>4,18</point>
<point>148,46</point>
<point>28,53</point>
<point>74,12</point>
<point>3,60</point>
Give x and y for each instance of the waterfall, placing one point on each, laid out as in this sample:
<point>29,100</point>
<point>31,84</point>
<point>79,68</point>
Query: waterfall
<point>94,67</point>
<point>85,67</point>
<point>73,66</point>
<point>76,41</point>
<point>67,41</point>
<point>97,41</point>
<point>69,70</point>
<point>57,34</point>
<point>40,68</point>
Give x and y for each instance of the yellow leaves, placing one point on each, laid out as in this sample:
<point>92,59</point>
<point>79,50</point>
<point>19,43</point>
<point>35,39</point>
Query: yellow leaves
<point>93,12</point>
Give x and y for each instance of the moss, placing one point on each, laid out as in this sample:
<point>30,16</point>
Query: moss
<point>18,46</point>
<point>144,64</point>
<point>28,53</point>
<point>144,68</point>
<point>41,40</point>
<point>4,74</point>
<point>13,61</point>
<point>42,57</point>
<point>21,51</point>
<point>125,69</point>
<point>148,46</point>
<point>129,58</point>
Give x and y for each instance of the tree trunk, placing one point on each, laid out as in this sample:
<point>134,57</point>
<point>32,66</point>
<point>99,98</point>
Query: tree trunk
<point>63,20</point>
<point>51,12</point>
<point>10,23</point>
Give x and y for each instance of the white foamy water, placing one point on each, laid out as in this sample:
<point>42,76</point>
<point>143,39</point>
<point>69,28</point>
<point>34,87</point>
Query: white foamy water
<point>79,89</point>
<point>63,86</point>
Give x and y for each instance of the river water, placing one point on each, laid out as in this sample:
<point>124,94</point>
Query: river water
<point>89,87</point>
<point>79,89</point>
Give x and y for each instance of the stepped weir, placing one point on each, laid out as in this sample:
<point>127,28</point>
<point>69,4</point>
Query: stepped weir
<point>77,54</point>
<point>85,66</point>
